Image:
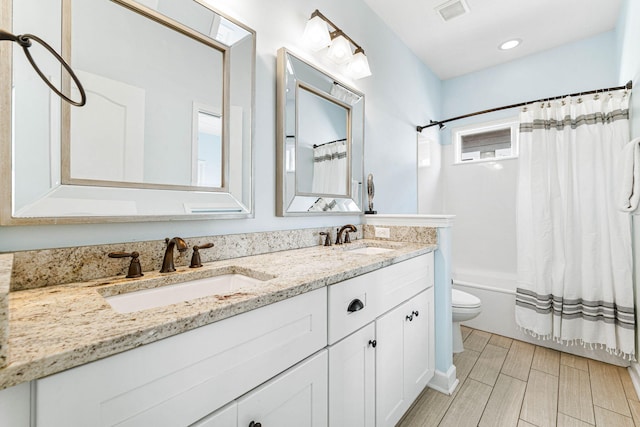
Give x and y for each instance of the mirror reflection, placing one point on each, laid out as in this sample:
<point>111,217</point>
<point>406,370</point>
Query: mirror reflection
<point>167,128</point>
<point>321,140</point>
<point>141,107</point>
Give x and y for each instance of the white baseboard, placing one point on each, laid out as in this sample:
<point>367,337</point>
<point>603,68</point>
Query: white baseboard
<point>444,382</point>
<point>634,372</point>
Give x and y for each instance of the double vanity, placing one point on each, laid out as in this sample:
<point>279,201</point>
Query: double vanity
<point>339,335</point>
<point>268,328</point>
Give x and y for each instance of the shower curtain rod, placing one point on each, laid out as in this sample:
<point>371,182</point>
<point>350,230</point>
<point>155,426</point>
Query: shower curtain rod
<point>330,142</point>
<point>441,123</point>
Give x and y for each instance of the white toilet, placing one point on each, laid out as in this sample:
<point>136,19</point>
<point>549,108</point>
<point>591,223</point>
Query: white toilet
<point>464,307</point>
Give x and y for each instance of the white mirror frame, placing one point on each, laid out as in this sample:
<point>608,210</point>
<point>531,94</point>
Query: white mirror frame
<point>68,204</point>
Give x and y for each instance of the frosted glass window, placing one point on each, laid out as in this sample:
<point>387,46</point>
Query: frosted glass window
<point>486,141</point>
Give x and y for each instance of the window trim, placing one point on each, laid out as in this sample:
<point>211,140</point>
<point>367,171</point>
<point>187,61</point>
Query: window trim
<point>457,133</point>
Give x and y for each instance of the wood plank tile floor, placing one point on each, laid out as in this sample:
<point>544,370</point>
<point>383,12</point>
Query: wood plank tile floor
<point>510,383</point>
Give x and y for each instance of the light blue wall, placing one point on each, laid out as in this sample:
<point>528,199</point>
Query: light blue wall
<point>401,93</point>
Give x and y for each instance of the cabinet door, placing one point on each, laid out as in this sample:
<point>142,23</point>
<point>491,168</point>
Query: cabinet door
<point>404,357</point>
<point>390,391</point>
<point>295,398</point>
<point>352,380</point>
<point>15,406</point>
<point>419,352</point>
<point>223,417</point>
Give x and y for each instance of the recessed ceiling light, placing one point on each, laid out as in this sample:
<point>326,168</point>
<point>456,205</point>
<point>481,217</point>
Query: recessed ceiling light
<point>509,44</point>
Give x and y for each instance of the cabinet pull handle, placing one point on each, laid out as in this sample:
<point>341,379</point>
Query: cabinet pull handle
<point>410,317</point>
<point>416,313</point>
<point>254,424</point>
<point>355,305</point>
<point>373,343</point>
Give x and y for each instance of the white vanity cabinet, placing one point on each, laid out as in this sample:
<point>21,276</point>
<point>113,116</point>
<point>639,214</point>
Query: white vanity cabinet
<point>376,372</point>
<point>356,354</point>
<point>180,380</point>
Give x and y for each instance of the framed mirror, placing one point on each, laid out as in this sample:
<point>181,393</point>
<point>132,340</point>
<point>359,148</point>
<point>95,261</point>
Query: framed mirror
<point>168,126</point>
<point>320,145</point>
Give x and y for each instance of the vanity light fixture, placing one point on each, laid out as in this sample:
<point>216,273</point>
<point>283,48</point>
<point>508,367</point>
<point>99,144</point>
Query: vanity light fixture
<point>318,35</point>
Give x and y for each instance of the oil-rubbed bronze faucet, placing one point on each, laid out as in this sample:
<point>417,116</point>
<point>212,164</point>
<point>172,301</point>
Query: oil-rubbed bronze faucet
<point>347,239</point>
<point>167,262</point>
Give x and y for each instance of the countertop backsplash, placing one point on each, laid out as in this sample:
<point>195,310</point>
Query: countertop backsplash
<point>50,267</point>
<point>411,234</point>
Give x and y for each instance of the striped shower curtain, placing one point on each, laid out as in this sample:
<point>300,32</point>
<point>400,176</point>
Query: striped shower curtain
<point>330,168</point>
<point>575,262</point>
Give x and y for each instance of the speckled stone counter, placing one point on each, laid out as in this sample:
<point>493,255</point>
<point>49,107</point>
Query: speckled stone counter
<point>55,328</point>
<point>6,262</point>
<point>46,267</point>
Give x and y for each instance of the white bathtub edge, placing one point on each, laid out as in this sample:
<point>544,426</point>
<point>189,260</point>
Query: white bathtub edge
<point>484,287</point>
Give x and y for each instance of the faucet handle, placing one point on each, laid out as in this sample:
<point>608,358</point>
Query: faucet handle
<point>338,237</point>
<point>195,258</point>
<point>135,270</point>
<point>347,239</point>
<point>327,238</point>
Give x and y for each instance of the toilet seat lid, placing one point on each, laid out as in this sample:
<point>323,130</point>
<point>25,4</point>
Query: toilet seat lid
<point>464,299</point>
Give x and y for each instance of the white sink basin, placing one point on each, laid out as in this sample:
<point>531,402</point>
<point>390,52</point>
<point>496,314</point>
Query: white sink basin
<point>369,250</point>
<point>180,292</point>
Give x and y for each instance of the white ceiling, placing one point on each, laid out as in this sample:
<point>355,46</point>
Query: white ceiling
<point>470,42</point>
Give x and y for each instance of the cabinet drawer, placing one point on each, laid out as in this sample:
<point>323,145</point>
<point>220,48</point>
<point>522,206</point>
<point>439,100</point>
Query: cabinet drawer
<point>378,291</point>
<point>342,322</point>
<point>179,380</point>
<point>401,281</point>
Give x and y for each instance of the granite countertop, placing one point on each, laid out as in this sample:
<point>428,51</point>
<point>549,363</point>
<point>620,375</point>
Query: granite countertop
<point>55,328</point>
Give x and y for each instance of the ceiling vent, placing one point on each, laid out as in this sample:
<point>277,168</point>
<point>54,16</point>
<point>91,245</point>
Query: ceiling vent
<point>452,9</point>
